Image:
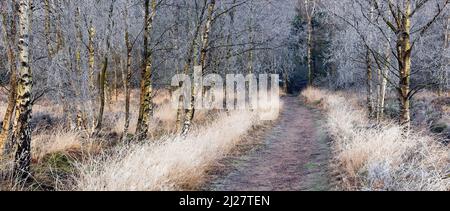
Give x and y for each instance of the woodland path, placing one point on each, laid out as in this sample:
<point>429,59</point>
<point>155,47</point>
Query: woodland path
<point>293,156</point>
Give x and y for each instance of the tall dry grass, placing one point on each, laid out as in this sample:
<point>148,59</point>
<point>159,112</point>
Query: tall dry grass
<point>162,121</point>
<point>371,157</point>
<point>171,163</point>
<point>55,142</point>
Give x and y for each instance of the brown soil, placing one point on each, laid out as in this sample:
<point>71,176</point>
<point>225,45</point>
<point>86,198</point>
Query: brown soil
<point>291,156</point>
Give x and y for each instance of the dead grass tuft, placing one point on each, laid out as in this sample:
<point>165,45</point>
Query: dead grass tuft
<point>54,142</point>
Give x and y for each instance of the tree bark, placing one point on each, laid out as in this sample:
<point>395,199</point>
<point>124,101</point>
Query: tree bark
<point>91,74</point>
<point>309,51</point>
<point>127,84</point>
<point>101,93</point>
<point>145,108</point>
<point>369,84</point>
<point>22,131</point>
<point>189,59</point>
<point>443,71</point>
<point>404,63</point>
<point>250,67</point>
<point>116,77</point>
<point>229,56</point>
<point>81,112</point>
<point>91,59</point>
<point>383,84</point>
<point>102,76</point>
<point>196,88</point>
<point>10,41</point>
<point>6,125</point>
<point>310,9</point>
<point>128,76</point>
<point>47,26</point>
<point>187,65</point>
<point>286,81</point>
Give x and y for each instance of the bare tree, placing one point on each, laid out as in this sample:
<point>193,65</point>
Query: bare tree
<point>145,109</point>
<point>197,87</point>
<point>309,9</point>
<point>9,34</point>
<point>22,131</point>
<point>393,21</point>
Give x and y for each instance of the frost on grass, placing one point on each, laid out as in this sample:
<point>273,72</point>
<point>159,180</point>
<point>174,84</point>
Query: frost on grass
<point>171,163</point>
<point>380,158</point>
<point>54,142</point>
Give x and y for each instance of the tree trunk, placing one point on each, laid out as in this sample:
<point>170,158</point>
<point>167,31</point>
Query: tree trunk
<point>91,59</point>
<point>383,84</point>
<point>145,108</point>
<point>286,82</point>
<point>197,88</point>
<point>91,73</point>
<point>310,9</point>
<point>378,97</point>
<point>229,56</point>
<point>369,85</point>
<point>127,77</point>
<point>116,78</point>
<point>103,84</point>
<point>101,93</point>
<point>309,51</point>
<point>251,38</point>
<point>47,26</point>
<point>404,62</point>
<point>81,113</point>
<point>10,41</point>
<point>187,65</point>
<point>22,131</point>
<point>6,126</point>
<point>443,72</point>
<point>127,94</point>
<point>127,91</point>
<point>59,34</point>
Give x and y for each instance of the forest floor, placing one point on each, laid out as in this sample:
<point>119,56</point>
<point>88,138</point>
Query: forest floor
<point>291,155</point>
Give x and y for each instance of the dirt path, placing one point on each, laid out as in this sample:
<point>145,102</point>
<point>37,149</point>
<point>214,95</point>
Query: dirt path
<point>293,156</point>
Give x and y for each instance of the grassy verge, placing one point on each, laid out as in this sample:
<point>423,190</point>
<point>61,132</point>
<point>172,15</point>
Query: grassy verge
<point>377,157</point>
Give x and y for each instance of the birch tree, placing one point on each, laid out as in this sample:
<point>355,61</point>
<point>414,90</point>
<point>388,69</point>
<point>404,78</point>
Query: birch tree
<point>402,14</point>
<point>402,24</point>
<point>9,36</point>
<point>22,131</point>
<point>196,90</point>
<point>309,7</point>
<point>129,49</point>
<point>443,73</point>
<point>145,108</point>
<point>102,76</point>
<point>189,60</point>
